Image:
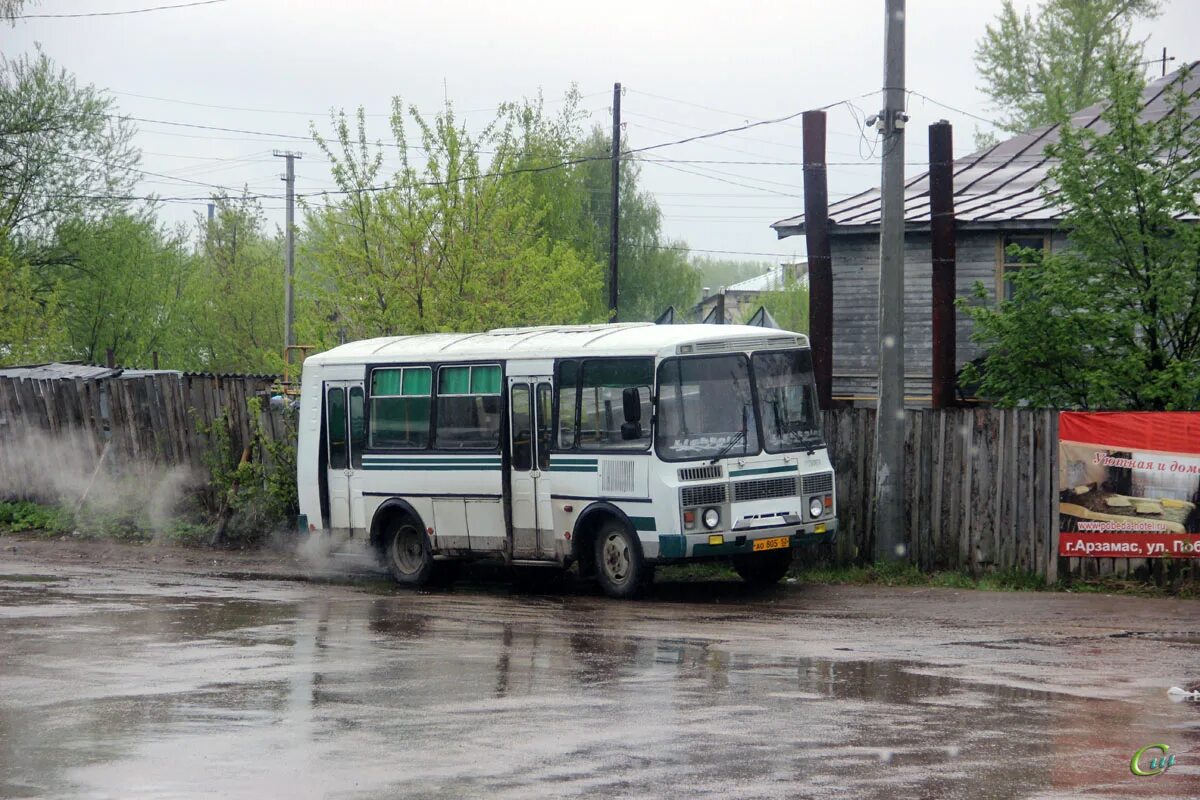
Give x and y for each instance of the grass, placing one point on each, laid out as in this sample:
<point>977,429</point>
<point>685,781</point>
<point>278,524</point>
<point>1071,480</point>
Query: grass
<point>897,574</point>
<point>38,519</point>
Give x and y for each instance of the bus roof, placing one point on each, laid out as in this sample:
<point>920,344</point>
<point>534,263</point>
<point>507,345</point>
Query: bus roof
<point>560,341</point>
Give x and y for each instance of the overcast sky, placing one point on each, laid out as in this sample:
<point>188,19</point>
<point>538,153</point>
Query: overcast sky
<point>687,68</point>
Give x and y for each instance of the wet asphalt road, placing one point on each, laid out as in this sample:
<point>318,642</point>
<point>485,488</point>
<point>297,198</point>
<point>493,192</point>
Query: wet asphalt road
<point>129,683</point>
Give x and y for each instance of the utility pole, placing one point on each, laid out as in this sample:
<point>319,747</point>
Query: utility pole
<point>820,263</point>
<point>942,250</point>
<point>889,415</point>
<point>614,222</point>
<point>288,297</point>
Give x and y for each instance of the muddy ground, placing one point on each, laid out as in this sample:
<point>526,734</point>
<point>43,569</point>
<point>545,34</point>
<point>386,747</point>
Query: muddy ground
<point>130,672</point>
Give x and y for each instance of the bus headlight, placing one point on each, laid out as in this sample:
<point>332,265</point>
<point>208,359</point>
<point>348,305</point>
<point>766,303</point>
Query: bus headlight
<point>816,507</point>
<point>712,518</point>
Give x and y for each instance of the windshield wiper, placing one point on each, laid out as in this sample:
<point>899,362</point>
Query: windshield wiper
<point>728,446</point>
<point>739,435</point>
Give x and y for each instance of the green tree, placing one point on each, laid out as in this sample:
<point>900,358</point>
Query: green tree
<point>31,329</point>
<point>1039,68</point>
<point>120,281</point>
<point>448,244</point>
<point>233,300</point>
<point>63,152</point>
<point>60,150</point>
<point>788,304</point>
<point>1112,321</point>
<point>653,270</point>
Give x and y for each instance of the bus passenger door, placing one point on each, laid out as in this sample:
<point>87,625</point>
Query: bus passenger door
<point>345,435</point>
<point>530,430</point>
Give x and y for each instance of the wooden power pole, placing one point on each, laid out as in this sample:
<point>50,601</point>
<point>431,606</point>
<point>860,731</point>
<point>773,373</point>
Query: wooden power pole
<point>820,265</point>
<point>889,419</point>
<point>615,211</point>
<point>290,269</point>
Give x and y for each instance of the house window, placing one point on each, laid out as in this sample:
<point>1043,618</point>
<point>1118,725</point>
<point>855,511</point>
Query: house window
<point>1010,262</point>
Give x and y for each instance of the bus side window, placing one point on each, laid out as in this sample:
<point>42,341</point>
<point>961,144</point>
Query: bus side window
<point>400,400</point>
<point>468,407</point>
<point>358,432</point>
<point>545,432</point>
<point>568,395</point>
<point>602,406</point>
<point>522,428</point>
<point>335,420</point>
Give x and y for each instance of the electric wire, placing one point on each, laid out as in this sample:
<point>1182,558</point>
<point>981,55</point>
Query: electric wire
<point>118,13</point>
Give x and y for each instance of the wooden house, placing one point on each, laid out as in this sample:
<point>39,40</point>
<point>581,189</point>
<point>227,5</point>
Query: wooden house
<point>1000,199</point>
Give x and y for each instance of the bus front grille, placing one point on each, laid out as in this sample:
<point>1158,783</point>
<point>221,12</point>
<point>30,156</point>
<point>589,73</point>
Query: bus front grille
<point>712,494</point>
<point>764,489</point>
<point>707,473</point>
<point>818,484</point>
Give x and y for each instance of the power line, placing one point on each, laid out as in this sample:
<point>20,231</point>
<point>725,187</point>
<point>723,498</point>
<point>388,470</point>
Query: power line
<point>991,122</point>
<point>118,13</point>
<point>463,178</point>
<point>253,110</point>
<point>725,180</point>
<point>701,250</point>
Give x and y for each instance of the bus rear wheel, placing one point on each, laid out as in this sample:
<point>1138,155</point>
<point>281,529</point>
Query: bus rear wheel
<point>619,565</point>
<point>406,553</point>
<point>763,569</point>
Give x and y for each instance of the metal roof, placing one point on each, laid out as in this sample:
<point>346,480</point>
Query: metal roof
<point>549,341</point>
<point>1001,186</point>
<point>771,281</point>
<point>59,371</point>
<point>70,370</point>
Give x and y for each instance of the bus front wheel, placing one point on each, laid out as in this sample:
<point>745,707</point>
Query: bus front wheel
<point>763,569</point>
<point>620,568</point>
<point>406,553</point>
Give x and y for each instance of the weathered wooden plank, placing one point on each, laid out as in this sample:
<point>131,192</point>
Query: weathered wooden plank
<point>966,550</point>
<point>937,496</point>
<point>909,535</point>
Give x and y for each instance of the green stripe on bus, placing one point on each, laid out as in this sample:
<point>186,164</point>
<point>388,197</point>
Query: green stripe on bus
<point>466,462</point>
<point>561,468</point>
<point>763,471</point>
<point>401,457</point>
<point>643,523</point>
<point>591,461</point>
<point>434,467</point>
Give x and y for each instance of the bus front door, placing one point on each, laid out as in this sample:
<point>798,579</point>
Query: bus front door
<point>530,431</point>
<point>345,435</point>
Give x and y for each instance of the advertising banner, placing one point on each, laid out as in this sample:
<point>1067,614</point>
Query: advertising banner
<point>1129,484</point>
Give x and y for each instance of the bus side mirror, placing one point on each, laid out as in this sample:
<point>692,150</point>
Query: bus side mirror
<point>631,431</point>
<point>631,398</point>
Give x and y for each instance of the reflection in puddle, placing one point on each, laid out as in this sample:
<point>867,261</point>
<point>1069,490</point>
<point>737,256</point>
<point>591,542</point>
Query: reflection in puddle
<point>175,691</point>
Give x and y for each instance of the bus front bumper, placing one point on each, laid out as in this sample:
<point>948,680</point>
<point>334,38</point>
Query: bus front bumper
<point>703,545</point>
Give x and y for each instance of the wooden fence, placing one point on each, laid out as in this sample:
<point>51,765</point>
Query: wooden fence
<point>162,419</point>
<point>981,488</point>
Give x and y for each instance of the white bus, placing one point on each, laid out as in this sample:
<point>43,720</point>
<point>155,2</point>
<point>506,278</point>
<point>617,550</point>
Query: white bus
<point>617,447</point>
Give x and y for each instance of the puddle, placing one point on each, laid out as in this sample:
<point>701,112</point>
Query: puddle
<point>250,691</point>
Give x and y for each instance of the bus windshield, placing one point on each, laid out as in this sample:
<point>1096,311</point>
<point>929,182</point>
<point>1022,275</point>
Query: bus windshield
<point>705,407</point>
<point>786,401</point>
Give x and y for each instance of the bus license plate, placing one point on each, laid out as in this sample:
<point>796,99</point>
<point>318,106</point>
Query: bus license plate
<point>775,543</point>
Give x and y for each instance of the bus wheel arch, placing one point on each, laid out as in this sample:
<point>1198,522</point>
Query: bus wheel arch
<point>386,514</point>
<point>402,545</point>
<point>602,519</point>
